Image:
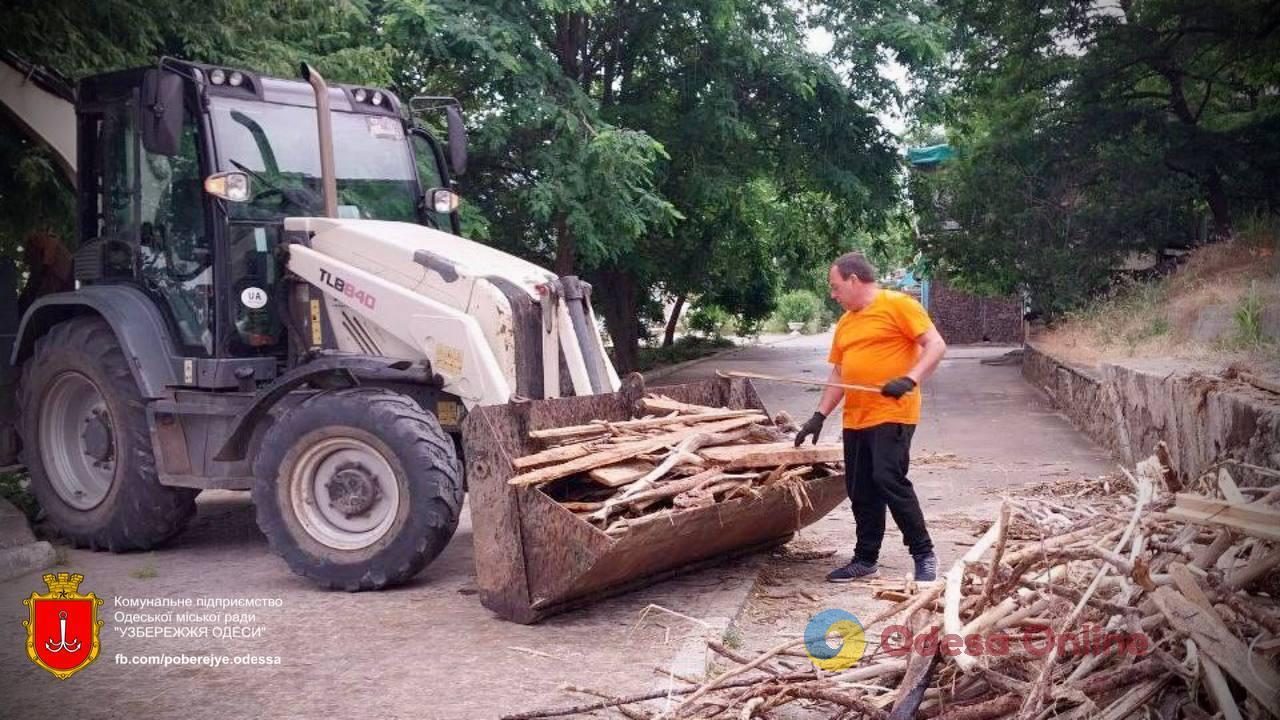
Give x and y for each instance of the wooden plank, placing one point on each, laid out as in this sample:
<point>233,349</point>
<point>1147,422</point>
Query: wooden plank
<point>1214,678</point>
<point>648,423</point>
<point>665,404</point>
<point>773,454</point>
<point>558,454</point>
<point>800,381</point>
<point>1252,671</point>
<point>1230,492</point>
<point>620,474</point>
<point>619,453</point>
<point>1266,532</point>
<point>1219,509</point>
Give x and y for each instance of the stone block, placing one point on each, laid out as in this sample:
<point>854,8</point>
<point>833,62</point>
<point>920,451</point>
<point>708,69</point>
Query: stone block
<point>14,531</point>
<point>27,558</point>
<point>1213,323</point>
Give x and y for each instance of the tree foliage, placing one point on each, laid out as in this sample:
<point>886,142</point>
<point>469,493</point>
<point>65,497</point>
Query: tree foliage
<point>1087,131</point>
<point>678,147</point>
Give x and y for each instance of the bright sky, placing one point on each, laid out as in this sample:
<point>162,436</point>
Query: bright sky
<point>819,41</point>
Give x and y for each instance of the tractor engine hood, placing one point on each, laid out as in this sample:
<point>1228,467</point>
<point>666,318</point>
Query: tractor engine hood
<point>512,324</point>
<point>419,258</point>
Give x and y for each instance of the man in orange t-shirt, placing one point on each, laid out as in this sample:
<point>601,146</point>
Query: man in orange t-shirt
<point>884,339</point>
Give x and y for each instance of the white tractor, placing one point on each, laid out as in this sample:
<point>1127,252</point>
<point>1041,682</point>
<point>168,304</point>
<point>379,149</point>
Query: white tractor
<point>270,294</point>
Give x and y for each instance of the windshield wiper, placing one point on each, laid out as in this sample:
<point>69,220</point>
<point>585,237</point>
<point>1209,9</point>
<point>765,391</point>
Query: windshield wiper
<point>298,196</point>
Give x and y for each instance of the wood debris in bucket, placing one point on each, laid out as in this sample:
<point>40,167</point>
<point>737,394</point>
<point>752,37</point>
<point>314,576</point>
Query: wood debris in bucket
<point>677,457</point>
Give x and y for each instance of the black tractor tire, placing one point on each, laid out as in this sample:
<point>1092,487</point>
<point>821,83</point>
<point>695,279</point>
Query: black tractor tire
<point>137,512</point>
<point>386,427</point>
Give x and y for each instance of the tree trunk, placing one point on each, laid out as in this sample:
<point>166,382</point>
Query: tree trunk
<point>1212,181</point>
<point>1218,205</point>
<point>565,249</point>
<point>615,290</point>
<point>669,336</point>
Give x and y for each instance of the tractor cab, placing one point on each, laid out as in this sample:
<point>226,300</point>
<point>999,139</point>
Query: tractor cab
<point>186,173</point>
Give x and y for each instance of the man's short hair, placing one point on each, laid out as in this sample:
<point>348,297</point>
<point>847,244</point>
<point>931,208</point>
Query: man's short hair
<point>853,263</point>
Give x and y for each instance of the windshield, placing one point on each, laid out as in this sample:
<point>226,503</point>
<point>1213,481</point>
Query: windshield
<point>277,146</point>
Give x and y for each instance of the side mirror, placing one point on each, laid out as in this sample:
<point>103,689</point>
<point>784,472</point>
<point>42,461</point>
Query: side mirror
<point>442,201</point>
<point>457,140</point>
<point>162,112</point>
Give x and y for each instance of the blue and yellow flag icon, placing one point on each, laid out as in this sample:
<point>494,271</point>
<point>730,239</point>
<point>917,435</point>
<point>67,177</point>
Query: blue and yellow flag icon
<point>834,639</point>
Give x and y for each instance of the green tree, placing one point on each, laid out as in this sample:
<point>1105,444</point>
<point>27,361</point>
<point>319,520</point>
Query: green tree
<point>1086,132</point>
<point>651,146</point>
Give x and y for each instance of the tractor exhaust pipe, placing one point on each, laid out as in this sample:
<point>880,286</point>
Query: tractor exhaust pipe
<point>328,183</point>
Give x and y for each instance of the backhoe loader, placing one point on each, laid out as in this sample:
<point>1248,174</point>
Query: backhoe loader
<point>271,294</point>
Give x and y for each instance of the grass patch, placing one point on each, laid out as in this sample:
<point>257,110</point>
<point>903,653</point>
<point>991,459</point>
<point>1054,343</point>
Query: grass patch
<point>731,638</point>
<point>689,347</point>
<point>14,488</point>
<point>1214,308</point>
<point>1248,317</point>
<point>146,571</point>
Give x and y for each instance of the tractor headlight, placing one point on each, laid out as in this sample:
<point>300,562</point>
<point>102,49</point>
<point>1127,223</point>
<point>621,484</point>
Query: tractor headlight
<point>233,186</point>
<point>217,76</point>
<point>236,78</point>
<point>360,94</point>
<point>444,201</point>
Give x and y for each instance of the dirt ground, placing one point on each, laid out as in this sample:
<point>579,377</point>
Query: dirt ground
<point>430,650</point>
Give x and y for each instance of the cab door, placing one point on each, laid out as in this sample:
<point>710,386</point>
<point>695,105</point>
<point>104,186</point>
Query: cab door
<point>144,217</point>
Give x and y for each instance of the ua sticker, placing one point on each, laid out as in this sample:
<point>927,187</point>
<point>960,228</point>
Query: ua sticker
<point>254,298</point>
<point>62,634</point>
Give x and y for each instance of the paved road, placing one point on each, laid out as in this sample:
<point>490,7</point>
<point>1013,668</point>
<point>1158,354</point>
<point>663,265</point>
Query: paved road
<point>429,650</point>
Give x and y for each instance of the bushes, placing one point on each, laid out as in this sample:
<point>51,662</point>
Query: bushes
<point>800,306</point>
<point>689,347</point>
<point>709,320</point>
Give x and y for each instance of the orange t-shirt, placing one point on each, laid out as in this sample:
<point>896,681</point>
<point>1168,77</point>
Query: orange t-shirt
<point>873,346</point>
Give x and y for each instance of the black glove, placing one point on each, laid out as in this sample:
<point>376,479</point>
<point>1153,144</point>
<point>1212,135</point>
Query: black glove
<point>811,427</point>
<point>898,387</point>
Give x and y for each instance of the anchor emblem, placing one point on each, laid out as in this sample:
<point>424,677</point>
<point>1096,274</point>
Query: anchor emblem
<point>62,637</point>
<point>63,628</point>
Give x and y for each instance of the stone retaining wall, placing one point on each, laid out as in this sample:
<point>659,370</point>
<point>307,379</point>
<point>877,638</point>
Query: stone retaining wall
<point>1129,408</point>
<point>965,319</point>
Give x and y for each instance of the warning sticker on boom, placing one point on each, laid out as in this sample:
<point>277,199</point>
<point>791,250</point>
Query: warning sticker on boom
<point>448,359</point>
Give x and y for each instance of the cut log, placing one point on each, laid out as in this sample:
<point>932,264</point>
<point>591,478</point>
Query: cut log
<point>674,488</point>
<point>1227,486</point>
<point>646,424</point>
<point>620,453</point>
<point>773,454</point>
<point>951,593</point>
<point>1252,671</point>
<point>1172,482</point>
<point>620,474</point>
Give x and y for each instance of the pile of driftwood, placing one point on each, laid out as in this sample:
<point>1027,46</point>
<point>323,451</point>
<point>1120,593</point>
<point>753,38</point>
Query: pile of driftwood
<point>1156,600</point>
<point>678,456</point>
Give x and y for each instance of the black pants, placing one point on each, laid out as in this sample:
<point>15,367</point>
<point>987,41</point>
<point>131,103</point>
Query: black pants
<point>875,465</point>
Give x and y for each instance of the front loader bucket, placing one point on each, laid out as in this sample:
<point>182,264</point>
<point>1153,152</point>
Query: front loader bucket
<point>535,558</point>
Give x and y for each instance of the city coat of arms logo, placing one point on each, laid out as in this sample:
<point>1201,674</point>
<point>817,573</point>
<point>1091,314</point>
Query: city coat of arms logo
<point>62,634</point>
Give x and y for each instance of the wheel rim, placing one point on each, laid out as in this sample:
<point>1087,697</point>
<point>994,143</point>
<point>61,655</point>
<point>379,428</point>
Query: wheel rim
<point>77,441</point>
<point>344,493</point>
